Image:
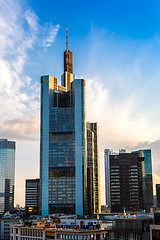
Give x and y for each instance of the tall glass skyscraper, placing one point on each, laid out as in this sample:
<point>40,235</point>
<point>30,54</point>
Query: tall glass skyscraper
<point>93,163</point>
<point>147,178</point>
<point>63,169</point>
<point>7,175</point>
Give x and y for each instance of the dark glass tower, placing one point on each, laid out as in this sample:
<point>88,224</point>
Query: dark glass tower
<point>147,179</point>
<point>32,196</point>
<point>63,169</point>
<point>158,195</point>
<point>7,175</point>
<point>126,171</point>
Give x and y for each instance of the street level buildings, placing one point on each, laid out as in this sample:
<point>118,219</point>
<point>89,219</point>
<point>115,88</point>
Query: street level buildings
<point>7,175</point>
<point>63,145</point>
<point>32,194</point>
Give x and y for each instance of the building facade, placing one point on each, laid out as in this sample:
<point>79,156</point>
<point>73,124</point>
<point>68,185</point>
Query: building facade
<point>126,171</point>
<point>63,165</point>
<point>147,179</point>
<point>158,195</point>
<point>93,169</point>
<point>32,195</point>
<point>7,175</point>
<point>107,152</point>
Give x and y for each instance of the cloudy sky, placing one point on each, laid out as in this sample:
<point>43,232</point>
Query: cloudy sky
<point>116,47</point>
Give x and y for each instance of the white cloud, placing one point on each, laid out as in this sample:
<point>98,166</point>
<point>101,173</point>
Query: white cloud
<point>19,94</point>
<point>119,121</point>
<point>51,33</point>
<point>32,19</point>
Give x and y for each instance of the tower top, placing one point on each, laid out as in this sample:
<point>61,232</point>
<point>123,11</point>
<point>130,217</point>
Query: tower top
<point>67,38</point>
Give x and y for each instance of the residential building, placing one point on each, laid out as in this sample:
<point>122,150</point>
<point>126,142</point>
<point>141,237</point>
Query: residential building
<point>63,143</point>
<point>126,171</point>
<point>7,175</point>
<point>147,178</point>
<point>158,195</point>
<point>32,194</point>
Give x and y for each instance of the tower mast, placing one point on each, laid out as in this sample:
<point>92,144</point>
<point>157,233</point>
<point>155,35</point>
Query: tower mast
<point>67,50</point>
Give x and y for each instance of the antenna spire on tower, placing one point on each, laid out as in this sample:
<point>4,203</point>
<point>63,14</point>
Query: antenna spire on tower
<point>66,37</point>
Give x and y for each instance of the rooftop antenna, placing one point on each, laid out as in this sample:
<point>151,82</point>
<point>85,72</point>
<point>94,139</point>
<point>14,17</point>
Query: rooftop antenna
<point>66,37</point>
<point>67,50</point>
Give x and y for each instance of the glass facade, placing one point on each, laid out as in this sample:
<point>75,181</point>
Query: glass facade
<point>32,196</point>
<point>147,178</point>
<point>126,170</point>
<point>158,195</point>
<point>93,128</point>
<point>107,176</point>
<point>63,169</point>
<point>7,175</point>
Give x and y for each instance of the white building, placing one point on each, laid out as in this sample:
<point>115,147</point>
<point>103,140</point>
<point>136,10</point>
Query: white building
<point>41,232</point>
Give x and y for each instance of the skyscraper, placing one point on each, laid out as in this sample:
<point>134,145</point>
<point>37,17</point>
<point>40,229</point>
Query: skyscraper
<point>147,178</point>
<point>107,176</point>
<point>158,195</point>
<point>63,169</point>
<point>7,175</point>
<point>93,136</point>
<point>126,170</point>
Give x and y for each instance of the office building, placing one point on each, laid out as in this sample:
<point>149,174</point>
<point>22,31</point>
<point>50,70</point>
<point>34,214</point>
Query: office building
<point>147,179</point>
<point>32,196</point>
<point>93,169</point>
<point>107,152</point>
<point>5,223</point>
<point>126,170</point>
<point>90,173</point>
<point>7,175</point>
<point>63,155</point>
<point>158,195</point>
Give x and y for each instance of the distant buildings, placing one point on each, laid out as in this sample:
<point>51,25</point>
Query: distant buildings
<point>7,175</point>
<point>158,195</point>
<point>32,194</point>
<point>138,183</point>
<point>147,183</point>
<point>126,171</point>
<point>63,146</point>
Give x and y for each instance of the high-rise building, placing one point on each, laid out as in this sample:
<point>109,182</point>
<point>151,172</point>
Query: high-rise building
<point>126,171</point>
<point>147,178</point>
<point>7,175</point>
<point>32,196</point>
<point>158,195</point>
<point>90,173</point>
<point>107,152</point>
<point>93,136</point>
<point>63,155</point>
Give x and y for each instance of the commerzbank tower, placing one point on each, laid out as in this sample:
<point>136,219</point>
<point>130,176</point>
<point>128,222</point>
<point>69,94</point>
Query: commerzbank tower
<point>63,146</point>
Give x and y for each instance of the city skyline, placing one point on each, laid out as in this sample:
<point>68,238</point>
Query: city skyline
<point>116,49</point>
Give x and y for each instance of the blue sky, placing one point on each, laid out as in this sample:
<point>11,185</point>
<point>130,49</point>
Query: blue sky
<point>116,47</point>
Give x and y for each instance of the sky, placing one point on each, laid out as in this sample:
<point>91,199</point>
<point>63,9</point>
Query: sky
<point>116,48</point>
